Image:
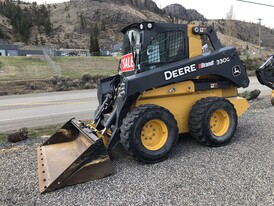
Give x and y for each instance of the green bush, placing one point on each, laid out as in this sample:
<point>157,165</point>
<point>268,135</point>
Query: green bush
<point>253,64</point>
<point>86,77</point>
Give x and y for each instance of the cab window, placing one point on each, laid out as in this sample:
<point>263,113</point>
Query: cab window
<point>165,48</point>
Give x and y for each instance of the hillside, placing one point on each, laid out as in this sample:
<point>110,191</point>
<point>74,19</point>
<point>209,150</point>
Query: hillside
<point>179,12</point>
<point>72,21</point>
<point>245,31</point>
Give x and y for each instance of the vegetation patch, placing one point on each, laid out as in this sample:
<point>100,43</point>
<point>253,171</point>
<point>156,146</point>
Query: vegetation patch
<point>34,132</point>
<point>253,64</point>
<point>22,75</point>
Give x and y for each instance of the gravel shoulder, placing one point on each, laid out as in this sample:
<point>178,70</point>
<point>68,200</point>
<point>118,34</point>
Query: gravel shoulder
<point>241,173</point>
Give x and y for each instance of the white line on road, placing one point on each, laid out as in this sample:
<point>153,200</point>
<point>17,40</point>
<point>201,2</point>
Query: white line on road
<point>36,116</point>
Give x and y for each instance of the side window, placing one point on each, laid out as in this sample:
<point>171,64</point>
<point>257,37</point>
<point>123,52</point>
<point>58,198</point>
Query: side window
<point>207,46</point>
<point>165,48</point>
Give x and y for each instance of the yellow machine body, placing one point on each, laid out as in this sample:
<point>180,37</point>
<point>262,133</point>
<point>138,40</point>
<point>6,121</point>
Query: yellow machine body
<point>179,98</point>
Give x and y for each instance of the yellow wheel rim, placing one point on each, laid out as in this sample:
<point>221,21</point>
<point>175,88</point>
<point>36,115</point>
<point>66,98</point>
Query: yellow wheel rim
<point>154,134</point>
<point>219,123</point>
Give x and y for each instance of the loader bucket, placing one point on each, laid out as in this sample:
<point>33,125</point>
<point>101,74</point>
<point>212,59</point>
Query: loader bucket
<point>74,154</point>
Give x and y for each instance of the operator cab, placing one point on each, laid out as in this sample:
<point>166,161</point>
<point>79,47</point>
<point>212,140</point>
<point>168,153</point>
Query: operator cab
<point>148,45</point>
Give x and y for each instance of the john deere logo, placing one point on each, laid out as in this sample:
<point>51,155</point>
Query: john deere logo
<point>236,71</point>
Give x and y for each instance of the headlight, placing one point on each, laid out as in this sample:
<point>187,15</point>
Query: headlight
<point>149,25</point>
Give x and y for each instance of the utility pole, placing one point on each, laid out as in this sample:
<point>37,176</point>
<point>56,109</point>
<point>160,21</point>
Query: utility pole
<point>260,35</point>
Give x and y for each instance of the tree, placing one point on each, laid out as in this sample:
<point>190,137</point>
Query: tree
<point>83,23</point>
<point>42,40</point>
<point>95,30</point>
<point>22,19</point>
<point>2,34</point>
<point>97,51</point>
<point>103,25</point>
<point>36,40</point>
<point>94,44</point>
<point>229,26</point>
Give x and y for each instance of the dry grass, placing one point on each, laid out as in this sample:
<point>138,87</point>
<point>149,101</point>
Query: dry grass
<point>34,132</point>
<point>75,66</point>
<point>34,68</point>
<point>24,68</point>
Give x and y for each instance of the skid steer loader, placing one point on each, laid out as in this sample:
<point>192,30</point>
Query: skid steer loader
<point>166,86</point>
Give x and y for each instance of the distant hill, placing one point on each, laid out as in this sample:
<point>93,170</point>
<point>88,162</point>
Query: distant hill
<point>178,11</point>
<point>72,21</point>
<point>245,31</point>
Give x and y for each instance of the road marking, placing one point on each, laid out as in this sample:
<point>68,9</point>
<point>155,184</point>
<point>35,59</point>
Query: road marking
<point>45,103</point>
<point>46,106</point>
<point>35,116</point>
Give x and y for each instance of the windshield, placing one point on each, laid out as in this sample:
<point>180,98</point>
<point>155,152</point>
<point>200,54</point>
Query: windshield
<point>131,39</point>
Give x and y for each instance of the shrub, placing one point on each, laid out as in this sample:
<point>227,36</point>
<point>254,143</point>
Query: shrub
<point>88,85</point>
<point>32,86</point>
<point>86,77</point>
<point>252,64</point>
<point>54,80</point>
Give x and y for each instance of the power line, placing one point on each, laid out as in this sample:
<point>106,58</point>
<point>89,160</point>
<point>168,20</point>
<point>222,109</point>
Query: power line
<point>252,2</point>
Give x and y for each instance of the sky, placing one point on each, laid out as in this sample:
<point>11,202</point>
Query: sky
<point>218,9</point>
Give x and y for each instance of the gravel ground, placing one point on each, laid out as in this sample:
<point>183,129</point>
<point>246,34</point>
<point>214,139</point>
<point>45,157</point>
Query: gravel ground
<point>241,173</point>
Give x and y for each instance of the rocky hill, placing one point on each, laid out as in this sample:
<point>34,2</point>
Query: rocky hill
<point>110,17</point>
<point>72,21</point>
<point>178,11</point>
<point>245,31</point>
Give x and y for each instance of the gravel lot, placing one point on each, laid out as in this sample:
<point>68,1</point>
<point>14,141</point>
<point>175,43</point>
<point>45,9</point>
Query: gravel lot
<point>241,173</point>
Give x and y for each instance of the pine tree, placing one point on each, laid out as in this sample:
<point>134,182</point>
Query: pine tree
<point>103,25</point>
<point>83,23</point>
<point>91,43</point>
<point>36,40</point>
<point>96,47</point>
<point>95,30</point>
<point>94,44</point>
<point>2,34</point>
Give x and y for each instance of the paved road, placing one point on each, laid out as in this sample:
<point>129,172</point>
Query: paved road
<point>58,107</point>
<point>45,109</point>
<point>254,84</point>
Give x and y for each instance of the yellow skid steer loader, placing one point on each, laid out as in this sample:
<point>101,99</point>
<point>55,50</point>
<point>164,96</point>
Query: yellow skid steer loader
<point>168,84</point>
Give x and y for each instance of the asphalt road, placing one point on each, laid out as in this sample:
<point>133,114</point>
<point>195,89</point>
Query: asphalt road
<point>34,110</point>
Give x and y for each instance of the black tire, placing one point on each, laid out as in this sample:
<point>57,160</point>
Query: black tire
<point>213,121</point>
<point>272,100</point>
<point>149,133</point>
